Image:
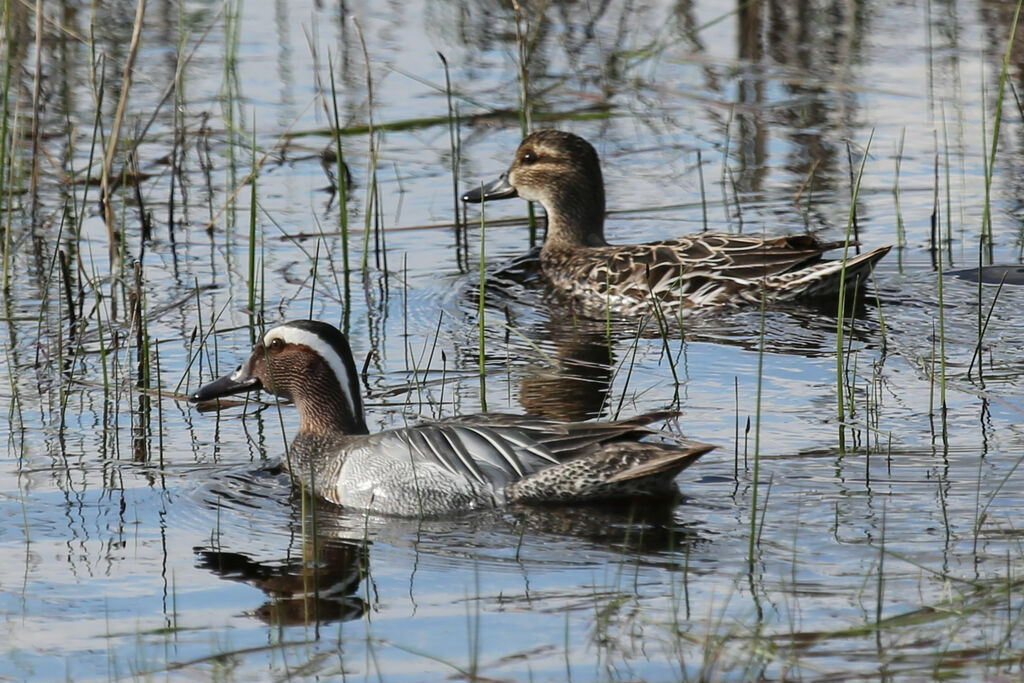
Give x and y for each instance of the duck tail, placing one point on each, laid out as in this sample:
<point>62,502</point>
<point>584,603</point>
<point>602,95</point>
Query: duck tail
<point>617,470</point>
<point>823,279</point>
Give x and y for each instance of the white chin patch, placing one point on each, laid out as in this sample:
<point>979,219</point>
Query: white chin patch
<point>239,373</point>
<point>523,193</point>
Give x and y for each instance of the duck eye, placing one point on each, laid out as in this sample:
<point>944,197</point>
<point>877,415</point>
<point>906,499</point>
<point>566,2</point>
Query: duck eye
<point>529,157</point>
<point>277,344</point>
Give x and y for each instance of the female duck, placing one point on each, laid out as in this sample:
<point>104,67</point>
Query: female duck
<point>463,463</point>
<point>562,172</point>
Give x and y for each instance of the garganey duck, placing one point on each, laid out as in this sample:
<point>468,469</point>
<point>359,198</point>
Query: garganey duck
<point>562,172</point>
<point>434,468</point>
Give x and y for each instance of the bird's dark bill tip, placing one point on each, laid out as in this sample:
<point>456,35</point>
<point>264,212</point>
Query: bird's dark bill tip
<point>223,386</point>
<point>497,189</point>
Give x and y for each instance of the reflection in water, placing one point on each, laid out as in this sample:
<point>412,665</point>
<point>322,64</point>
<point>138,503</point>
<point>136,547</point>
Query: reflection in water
<point>638,527</point>
<point>311,557</point>
<point>573,381</point>
<point>992,275</point>
<point>577,387</point>
<point>980,326</point>
<point>308,578</point>
<point>301,591</point>
<point>510,537</point>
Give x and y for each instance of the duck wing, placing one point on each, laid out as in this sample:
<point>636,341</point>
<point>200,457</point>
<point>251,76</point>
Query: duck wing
<point>727,256</point>
<point>697,270</point>
<point>495,449</point>
<point>750,257</point>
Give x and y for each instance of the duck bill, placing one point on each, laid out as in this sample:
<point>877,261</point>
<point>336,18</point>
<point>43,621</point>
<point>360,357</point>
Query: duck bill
<point>238,382</point>
<point>496,189</point>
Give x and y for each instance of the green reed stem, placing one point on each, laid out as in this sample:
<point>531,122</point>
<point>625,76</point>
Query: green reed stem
<point>37,89</point>
<point>372,208</point>
<point>982,512</point>
<point>523,52</point>
<point>930,368</point>
<point>986,216</point>
<point>342,179</point>
<point>608,310</point>
<point>252,236</point>
<point>946,176</point>
<point>764,508</point>
<point>725,166</point>
<point>659,315</point>
<point>195,352</point>
<point>372,155</point>
<point>102,339</point>
<point>159,404</point>
<point>142,331</point>
<point>454,141</point>
<point>15,407</point>
<point>629,370</point>
<point>841,307</point>
<point>900,233</point>
<point>703,193</point>
<point>8,213</point>
<point>736,428</point>
<point>230,92</point>
<point>113,234</point>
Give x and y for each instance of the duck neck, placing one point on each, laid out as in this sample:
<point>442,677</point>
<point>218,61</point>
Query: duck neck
<point>321,419</point>
<point>330,405</point>
<point>575,216</point>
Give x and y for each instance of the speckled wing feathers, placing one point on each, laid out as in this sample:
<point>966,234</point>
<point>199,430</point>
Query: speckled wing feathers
<point>615,470</point>
<point>702,270</point>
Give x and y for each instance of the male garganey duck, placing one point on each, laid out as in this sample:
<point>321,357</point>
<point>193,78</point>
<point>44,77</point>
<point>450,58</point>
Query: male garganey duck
<point>562,172</point>
<point>453,465</point>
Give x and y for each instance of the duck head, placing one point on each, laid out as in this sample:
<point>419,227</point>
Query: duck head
<point>563,172</point>
<point>308,362</point>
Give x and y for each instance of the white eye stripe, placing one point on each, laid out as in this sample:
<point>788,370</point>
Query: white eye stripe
<point>294,335</point>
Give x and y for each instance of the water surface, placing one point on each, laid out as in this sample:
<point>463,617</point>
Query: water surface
<point>147,539</point>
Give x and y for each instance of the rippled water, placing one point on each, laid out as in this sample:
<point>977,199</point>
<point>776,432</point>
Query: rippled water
<point>145,538</point>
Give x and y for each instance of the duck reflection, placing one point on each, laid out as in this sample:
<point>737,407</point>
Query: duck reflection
<point>318,586</point>
<point>572,380</point>
<point>309,574</point>
<point>576,387</point>
<point>317,576</point>
<point>646,528</point>
<point>649,530</point>
<point>992,275</point>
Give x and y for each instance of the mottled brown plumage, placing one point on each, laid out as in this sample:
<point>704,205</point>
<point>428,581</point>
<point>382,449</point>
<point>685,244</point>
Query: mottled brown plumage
<point>562,172</point>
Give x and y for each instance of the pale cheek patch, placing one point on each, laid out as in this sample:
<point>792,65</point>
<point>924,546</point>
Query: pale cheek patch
<point>523,192</point>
